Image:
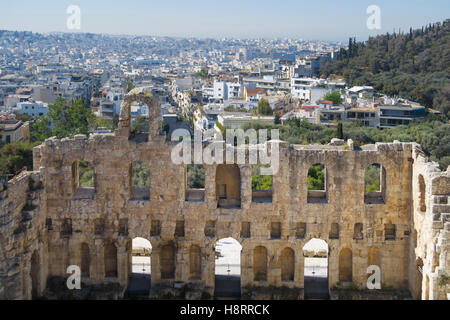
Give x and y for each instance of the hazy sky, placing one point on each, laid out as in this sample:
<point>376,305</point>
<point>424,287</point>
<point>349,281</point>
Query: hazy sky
<point>320,19</point>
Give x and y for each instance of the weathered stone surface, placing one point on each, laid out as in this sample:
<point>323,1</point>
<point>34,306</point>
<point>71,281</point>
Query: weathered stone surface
<point>62,224</point>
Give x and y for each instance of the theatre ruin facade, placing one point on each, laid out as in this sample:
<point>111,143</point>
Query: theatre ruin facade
<point>48,221</point>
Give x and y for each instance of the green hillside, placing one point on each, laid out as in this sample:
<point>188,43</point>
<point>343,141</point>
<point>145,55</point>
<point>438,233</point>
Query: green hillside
<point>413,64</point>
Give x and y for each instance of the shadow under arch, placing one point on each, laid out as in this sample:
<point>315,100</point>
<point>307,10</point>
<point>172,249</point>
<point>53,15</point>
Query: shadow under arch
<point>316,254</point>
<point>227,271</point>
<point>139,251</point>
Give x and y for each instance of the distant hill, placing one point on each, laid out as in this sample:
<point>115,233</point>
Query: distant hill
<point>414,65</point>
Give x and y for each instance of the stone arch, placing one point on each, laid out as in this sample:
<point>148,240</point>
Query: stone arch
<point>345,265</point>
<point>260,263</point>
<point>262,185</point>
<point>85,259</point>
<point>317,183</point>
<point>316,253</point>
<point>195,262</point>
<point>228,185</point>
<point>287,261</point>
<point>139,184</point>
<point>83,179</point>
<point>167,261</point>
<point>227,268</point>
<point>375,184</point>
<point>154,109</point>
<point>195,182</point>
<point>110,260</point>
<point>373,257</point>
<point>422,194</point>
<point>35,272</point>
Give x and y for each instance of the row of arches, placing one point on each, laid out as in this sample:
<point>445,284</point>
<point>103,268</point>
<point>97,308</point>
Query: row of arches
<point>228,183</point>
<point>195,265</point>
<point>260,262</point>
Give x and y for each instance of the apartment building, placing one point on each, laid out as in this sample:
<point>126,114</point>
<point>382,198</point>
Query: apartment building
<point>400,114</point>
<point>12,130</point>
<point>32,108</point>
<point>236,120</point>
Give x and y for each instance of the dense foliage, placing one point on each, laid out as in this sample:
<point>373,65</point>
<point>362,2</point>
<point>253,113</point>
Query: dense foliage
<point>86,175</point>
<point>432,133</point>
<point>316,177</point>
<point>414,65</point>
<point>63,120</point>
<point>140,175</point>
<point>372,180</point>
<point>260,182</point>
<point>333,96</point>
<point>264,108</point>
<point>195,176</point>
<point>14,157</point>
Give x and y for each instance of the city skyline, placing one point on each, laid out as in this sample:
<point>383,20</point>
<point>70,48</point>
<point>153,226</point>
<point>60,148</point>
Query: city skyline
<point>202,19</point>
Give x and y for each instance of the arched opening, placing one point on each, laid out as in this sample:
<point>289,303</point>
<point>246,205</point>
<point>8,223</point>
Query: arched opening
<point>228,186</point>
<point>167,262</point>
<point>287,261</point>
<point>83,180</point>
<point>110,258</point>
<point>262,185</point>
<point>422,196</point>
<point>260,264</point>
<point>427,288</point>
<point>85,260</point>
<point>345,266</point>
<point>139,181</point>
<point>140,278</point>
<point>35,271</point>
<point>315,271</point>
<point>228,268</point>
<point>419,279</point>
<point>317,184</point>
<point>195,183</point>
<point>140,122</point>
<point>373,258</point>
<point>375,184</point>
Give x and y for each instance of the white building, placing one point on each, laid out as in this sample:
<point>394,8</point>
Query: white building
<point>235,121</point>
<point>111,105</point>
<point>308,89</point>
<point>32,108</point>
<point>306,112</point>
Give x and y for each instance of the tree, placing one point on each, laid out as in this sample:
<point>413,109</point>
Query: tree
<point>333,96</point>
<point>316,177</point>
<point>101,122</point>
<point>277,119</point>
<point>264,108</point>
<point>129,86</point>
<point>340,131</point>
<point>63,120</point>
<point>261,182</point>
<point>414,65</point>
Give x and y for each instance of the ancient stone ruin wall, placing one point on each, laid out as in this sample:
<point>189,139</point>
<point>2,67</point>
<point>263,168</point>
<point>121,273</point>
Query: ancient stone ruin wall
<point>21,239</point>
<point>430,246</point>
<point>93,228</point>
